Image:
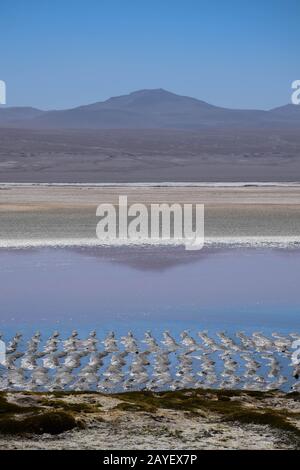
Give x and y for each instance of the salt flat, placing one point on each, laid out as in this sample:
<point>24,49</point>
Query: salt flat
<point>66,214</point>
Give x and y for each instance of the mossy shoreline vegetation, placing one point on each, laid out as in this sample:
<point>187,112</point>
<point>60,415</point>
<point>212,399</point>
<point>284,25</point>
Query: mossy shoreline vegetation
<point>25,413</point>
<point>225,403</point>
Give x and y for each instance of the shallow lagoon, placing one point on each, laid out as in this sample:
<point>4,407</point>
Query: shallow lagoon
<point>149,288</point>
<point>139,289</point>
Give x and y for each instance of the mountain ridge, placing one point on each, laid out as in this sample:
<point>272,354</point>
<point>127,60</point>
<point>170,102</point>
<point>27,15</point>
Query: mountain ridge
<point>149,108</point>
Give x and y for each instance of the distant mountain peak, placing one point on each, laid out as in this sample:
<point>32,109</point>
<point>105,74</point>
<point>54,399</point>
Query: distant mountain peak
<point>150,108</point>
<point>150,91</point>
<point>153,92</point>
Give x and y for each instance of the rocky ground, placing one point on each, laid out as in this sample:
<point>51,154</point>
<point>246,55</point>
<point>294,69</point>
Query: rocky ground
<point>146,155</point>
<point>188,419</point>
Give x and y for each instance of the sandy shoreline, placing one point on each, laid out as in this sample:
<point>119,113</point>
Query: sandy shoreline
<point>65,215</point>
<point>89,195</point>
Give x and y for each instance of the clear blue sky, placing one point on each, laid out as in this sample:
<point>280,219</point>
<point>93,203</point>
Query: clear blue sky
<point>235,53</point>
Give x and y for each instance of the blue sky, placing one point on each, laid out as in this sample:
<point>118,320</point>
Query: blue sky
<point>235,53</point>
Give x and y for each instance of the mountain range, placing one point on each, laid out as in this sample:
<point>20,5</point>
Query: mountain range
<point>149,109</point>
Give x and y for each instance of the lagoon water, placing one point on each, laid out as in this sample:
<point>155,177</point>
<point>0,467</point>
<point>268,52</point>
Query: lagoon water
<point>151,288</point>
